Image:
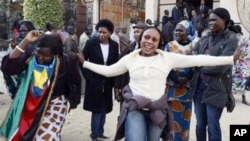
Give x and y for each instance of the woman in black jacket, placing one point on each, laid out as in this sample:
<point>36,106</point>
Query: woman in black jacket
<point>98,92</point>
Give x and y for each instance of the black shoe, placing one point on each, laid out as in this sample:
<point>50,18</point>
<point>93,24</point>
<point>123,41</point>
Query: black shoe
<point>103,138</point>
<point>244,100</point>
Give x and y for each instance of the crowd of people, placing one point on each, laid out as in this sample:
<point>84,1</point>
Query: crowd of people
<point>156,75</point>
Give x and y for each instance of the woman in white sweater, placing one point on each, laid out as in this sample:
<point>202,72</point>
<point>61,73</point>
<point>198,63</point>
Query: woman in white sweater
<point>148,68</point>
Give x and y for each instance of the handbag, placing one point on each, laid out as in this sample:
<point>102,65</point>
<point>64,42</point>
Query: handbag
<point>230,98</point>
<point>73,96</point>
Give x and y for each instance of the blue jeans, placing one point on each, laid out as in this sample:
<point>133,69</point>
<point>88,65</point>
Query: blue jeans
<point>207,116</point>
<point>138,127</point>
<point>97,123</point>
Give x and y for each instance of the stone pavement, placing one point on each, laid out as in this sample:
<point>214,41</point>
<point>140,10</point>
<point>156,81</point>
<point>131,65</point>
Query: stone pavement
<point>77,125</point>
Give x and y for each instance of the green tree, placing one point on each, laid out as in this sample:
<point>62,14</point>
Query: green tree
<point>42,11</point>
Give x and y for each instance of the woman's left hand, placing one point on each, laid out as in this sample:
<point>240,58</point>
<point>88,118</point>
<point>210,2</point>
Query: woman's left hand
<point>33,36</point>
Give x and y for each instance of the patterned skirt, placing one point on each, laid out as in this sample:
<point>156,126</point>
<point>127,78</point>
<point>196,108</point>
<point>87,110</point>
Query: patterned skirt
<point>53,120</point>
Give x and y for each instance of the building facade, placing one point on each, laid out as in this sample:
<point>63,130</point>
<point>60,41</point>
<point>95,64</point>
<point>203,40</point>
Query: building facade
<point>121,12</point>
<point>154,10</point>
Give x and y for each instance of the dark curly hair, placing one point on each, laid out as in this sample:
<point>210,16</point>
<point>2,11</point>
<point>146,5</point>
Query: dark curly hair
<point>53,41</point>
<point>105,23</point>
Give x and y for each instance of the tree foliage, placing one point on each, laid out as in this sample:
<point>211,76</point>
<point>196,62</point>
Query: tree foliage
<point>42,11</point>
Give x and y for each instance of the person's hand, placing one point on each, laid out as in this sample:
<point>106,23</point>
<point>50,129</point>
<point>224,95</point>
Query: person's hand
<point>13,43</point>
<point>237,52</point>
<point>80,57</point>
<point>132,105</point>
<point>118,93</point>
<point>33,36</point>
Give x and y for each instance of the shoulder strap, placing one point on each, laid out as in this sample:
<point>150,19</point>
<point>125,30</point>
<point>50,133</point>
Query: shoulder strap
<point>225,85</point>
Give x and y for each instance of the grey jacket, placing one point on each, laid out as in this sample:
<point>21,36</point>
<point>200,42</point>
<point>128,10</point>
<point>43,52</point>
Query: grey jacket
<point>222,44</point>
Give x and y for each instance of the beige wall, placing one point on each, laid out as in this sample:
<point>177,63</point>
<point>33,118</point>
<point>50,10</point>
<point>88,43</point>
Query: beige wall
<point>151,9</point>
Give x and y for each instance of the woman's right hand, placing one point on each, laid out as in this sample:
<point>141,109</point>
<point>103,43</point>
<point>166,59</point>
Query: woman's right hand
<point>118,93</point>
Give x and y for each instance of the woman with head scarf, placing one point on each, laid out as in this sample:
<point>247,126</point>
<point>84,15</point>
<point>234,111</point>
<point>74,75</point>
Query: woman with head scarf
<point>23,28</point>
<point>210,83</point>
<point>39,108</point>
<point>178,83</point>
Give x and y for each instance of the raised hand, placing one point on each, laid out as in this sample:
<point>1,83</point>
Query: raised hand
<point>33,35</point>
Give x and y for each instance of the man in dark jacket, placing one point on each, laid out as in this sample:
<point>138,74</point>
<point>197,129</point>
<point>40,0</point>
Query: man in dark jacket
<point>177,12</point>
<point>168,31</point>
<point>165,17</point>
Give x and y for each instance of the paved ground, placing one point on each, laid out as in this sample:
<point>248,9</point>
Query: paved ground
<point>77,126</point>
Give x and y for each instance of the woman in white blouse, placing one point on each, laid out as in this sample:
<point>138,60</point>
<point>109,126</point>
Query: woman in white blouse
<point>148,68</point>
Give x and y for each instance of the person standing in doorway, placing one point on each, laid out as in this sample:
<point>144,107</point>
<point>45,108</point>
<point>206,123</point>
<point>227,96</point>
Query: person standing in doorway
<point>165,17</point>
<point>177,12</point>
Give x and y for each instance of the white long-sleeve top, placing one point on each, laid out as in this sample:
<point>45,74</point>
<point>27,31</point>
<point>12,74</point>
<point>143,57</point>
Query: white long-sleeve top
<point>148,74</point>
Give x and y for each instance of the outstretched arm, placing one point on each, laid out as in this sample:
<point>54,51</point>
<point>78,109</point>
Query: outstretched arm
<point>108,71</point>
<point>184,61</point>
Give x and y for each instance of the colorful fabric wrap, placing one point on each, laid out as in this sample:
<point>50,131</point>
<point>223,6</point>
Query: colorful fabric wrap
<point>10,126</point>
<point>11,122</point>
